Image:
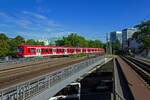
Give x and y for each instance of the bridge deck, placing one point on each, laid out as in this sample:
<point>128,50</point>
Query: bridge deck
<point>47,85</point>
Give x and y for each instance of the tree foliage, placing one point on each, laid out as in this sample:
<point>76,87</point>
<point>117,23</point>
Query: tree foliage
<point>116,46</point>
<point>8,46</point>
<point>143,35</point>
<point>74,40</point>
<point>4,46</point>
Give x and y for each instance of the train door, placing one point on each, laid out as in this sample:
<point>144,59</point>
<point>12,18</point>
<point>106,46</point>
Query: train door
<point>38,52</point>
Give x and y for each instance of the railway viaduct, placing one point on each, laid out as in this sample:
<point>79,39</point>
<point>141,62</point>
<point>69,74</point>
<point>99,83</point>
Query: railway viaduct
<point>47,85</point>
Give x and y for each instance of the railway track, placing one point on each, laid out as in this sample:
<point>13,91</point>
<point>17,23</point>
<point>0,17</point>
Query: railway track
<point>143,59</point>
<point>19,74</point>
<point>20,61</point>
<point>135,82</point>
<point>32,62</point>
<point>141,67</point>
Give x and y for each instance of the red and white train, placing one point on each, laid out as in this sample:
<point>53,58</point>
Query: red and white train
<point>33,51</point>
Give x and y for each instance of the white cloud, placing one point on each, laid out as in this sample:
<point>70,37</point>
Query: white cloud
<point>36,15</point>
<point>30,24</point>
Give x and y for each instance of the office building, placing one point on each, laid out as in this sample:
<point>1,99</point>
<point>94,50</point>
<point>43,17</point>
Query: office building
<point>116,35</point>
<point>126,35</point>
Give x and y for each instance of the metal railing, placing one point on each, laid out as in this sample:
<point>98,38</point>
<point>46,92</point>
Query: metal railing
<point>117,84</point>
<point>118,96</point>
<point>35,86</point>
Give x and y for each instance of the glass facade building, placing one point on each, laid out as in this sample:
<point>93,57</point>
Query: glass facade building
<point>116,35</point>
<point>127,34</point>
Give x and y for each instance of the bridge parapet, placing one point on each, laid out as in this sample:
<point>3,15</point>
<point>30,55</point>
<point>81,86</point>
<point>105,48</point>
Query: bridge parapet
<point>49,84</point>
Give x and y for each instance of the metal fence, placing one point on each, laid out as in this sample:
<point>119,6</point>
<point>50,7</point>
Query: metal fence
<point>35,86</point>
<point>118,96</point>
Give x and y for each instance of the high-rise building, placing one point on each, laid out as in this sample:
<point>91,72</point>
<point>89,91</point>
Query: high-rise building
<point>127,34</point>
<point>116,35</point>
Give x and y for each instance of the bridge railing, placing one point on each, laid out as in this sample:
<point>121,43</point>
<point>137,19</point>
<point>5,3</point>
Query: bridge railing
<point>26,90</point>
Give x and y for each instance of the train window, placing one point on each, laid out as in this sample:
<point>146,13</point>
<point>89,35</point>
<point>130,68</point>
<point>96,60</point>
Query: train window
<point>71,50</point>
<point>20,50</point>
<point>68,50</point>
<point>65,50</point>
<point>57,50</point>
<point>42,50</point>
<point>50,50</point>
<point>62,50</point>
<point>78,50</point>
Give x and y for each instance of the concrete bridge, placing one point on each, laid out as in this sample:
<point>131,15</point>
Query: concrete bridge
<point>46,86</point>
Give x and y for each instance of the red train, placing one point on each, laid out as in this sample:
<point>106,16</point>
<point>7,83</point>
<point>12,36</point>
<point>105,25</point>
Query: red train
<point>32,51</point>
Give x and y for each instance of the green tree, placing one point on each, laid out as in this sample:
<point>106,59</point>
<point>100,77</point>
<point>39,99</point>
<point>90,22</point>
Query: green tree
<point>143,35</point>
<point>39,43</point>
<point>4,46</point>
<point>14,43</point>
<point>8,46</point>
<point>3,37</point>
<point>30,42</point>
<point>63,42</point>
<point>74,40</point>
<point>20,40</point>
<point>33,42</point>
<point>116,46</point>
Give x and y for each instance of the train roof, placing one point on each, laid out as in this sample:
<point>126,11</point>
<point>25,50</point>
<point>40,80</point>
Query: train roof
<point>56,46</point>
<point>37,46</point>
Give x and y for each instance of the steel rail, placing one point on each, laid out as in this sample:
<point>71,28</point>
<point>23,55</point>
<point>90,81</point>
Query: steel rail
<point>141,69</point>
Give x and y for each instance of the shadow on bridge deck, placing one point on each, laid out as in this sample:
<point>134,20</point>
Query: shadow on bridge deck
<point>99,84</point>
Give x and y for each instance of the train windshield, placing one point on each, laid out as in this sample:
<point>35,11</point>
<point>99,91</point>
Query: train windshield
<point>20,50</point>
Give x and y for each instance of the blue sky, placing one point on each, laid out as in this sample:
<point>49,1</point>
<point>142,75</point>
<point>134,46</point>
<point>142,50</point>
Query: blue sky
<point>54,18</point>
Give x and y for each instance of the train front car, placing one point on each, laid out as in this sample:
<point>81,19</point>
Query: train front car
<point>26,51</point>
